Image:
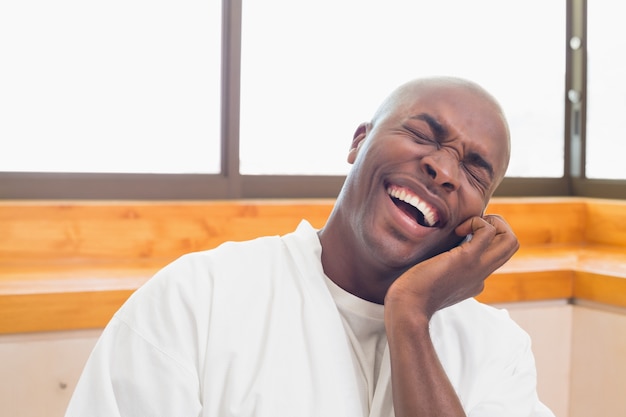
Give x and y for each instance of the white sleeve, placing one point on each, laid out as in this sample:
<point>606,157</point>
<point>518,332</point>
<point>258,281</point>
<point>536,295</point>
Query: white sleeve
<point>514,393</point>
<point>127,376</point>
<point>146,362</point>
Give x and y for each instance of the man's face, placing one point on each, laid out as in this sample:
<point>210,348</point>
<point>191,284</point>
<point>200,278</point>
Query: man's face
<point>428,163</point>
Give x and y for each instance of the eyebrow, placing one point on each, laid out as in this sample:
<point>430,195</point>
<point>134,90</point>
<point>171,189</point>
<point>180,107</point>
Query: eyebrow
<point>438,129</point>
<point>441,132</point>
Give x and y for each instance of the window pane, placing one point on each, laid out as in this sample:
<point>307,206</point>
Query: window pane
<point>606,92</point>
<point>110,86</point>
<point>312,71</point>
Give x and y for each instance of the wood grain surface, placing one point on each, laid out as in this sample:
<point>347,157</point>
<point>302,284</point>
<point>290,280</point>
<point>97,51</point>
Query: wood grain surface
<point>71,264</point>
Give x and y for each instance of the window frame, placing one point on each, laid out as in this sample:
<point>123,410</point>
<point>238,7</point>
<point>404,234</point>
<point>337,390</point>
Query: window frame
<point>230,184</point>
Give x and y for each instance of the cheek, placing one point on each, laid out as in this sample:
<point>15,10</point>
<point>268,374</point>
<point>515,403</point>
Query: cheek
<point>472,204</point>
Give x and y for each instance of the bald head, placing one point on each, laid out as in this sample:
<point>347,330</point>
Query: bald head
<point>409,90</point>
<point>478,103</point>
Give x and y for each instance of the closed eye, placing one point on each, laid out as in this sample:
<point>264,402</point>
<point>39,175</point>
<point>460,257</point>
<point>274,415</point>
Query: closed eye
<point>420,137</point>
<point>479,168</point>
<point>478,161</point>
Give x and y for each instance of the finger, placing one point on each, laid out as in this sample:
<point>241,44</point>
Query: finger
<point>478,227</point>
<point>504,231</point>
<point>493,241</point>
<point>498,223</point>
<point>505,243</point>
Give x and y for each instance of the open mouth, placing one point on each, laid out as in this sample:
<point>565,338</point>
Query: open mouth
<point>410,204</point>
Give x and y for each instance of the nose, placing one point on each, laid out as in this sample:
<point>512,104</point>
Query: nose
<point>443,168</point>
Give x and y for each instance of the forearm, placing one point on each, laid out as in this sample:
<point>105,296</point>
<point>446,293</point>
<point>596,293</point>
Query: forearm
<point>420,385</point>
<point>419,382</point>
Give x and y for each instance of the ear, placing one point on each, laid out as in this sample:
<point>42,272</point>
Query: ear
<point>357,141</point>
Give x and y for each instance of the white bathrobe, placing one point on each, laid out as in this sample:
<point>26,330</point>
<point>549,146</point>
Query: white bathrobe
<point>251,329</point>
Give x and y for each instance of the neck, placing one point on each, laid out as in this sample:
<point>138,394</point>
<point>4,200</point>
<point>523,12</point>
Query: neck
<point>351,270</point>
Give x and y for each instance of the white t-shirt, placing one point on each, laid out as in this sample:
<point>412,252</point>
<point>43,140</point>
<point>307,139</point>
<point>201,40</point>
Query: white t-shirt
<point>365,327</point>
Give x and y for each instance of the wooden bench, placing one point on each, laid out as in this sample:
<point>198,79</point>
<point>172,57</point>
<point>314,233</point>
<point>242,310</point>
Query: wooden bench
<point>71,264</point>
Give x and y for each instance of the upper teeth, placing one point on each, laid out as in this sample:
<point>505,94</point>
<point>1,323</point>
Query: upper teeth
<point>430,217</point>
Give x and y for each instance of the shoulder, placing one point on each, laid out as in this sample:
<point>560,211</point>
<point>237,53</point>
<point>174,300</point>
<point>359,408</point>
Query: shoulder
<point>255,251</point>
<point>197,274</point>
<point>261,254</point>
<point>232,266</point>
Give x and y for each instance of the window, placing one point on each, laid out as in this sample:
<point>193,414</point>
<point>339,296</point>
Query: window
<point>312,71</point>
<point>260,98</point>
<point>606,103</point>
<point>116,86</point>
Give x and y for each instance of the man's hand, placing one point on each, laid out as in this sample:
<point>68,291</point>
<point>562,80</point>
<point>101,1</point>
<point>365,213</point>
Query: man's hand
<point>459,273</point>
<point>421,387</point>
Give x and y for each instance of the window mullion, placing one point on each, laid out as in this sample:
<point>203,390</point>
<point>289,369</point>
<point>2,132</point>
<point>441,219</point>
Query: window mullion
<point>231,75</point>
<point>575,104</point>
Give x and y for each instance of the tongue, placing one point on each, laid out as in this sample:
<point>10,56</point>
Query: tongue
<point>411,211</point>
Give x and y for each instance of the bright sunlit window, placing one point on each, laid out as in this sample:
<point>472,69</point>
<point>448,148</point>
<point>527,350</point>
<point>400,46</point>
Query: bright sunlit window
<point>113,86</point>
<point>312,71</point>
<point>606,102</point>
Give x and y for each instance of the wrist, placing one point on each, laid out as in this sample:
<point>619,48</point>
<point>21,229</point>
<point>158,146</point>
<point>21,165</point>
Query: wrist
<point>404,318</point>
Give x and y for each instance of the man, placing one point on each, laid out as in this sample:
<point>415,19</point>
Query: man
<point>372,315</point>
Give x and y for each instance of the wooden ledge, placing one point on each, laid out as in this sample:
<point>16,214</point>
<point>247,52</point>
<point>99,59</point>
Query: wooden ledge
<point>595,274</point>
<point>61,297</point>
<point>71,265</point>
<point>49,297</point>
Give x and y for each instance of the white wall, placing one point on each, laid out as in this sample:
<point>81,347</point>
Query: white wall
<point>549,325</point>
<point>40,370</point>
<point>598,385</point>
